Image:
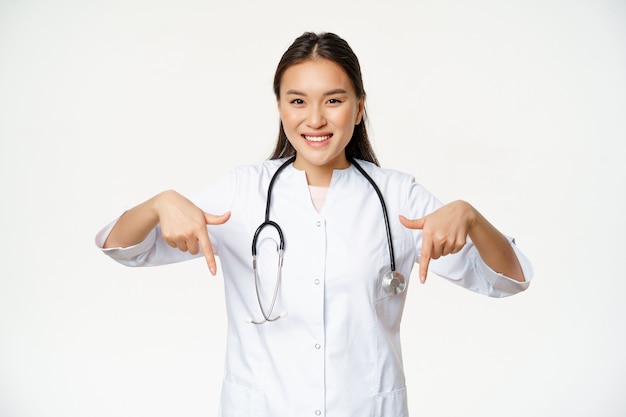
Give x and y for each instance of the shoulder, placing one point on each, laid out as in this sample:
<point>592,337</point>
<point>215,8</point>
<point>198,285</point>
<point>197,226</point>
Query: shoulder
<point>241,182</point>
<point>386,176</point>
<point>270,165</point>
<point>256,172</point>
<point>402,188</point>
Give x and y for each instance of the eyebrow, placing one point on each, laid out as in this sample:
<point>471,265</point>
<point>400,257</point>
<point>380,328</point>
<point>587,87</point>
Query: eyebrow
<point>328,93</point>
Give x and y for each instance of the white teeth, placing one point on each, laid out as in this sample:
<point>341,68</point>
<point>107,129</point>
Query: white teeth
<point>317,138</point>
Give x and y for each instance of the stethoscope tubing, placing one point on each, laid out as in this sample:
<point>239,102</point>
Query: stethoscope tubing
<point>393,280</point>
<point>267,315</point>
<point>392,257</point>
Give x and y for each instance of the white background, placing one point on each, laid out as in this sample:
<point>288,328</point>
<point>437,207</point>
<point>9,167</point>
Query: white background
<point>516,106</point>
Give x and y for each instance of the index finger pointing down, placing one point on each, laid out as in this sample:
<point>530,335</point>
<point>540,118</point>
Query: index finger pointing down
<point>207,250</point>
<point>424,261</point>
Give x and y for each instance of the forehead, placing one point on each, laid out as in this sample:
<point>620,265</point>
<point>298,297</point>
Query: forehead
<point>315,75</point>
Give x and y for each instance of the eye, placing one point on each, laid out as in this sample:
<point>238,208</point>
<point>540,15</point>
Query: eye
<point>334,101</point>
<point>297,101</point>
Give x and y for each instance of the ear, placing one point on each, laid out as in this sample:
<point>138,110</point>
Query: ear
<point>360,110</point>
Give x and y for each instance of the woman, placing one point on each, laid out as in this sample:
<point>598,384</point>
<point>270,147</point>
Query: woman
<point>317,332</point>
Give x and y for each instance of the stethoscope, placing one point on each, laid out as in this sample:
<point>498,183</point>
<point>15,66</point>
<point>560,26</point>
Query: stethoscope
<point>392,283</point>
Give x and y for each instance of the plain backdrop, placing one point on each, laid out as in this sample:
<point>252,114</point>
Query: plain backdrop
<point>516,106</point>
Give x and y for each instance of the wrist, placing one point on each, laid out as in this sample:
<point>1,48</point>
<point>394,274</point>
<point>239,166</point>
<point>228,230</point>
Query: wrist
<point>469,213</point>
<point>155,204</point>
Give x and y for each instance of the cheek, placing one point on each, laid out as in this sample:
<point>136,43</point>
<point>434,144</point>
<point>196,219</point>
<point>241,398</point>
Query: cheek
<point>289,119</point>
<point>346,119</point>
<point>290,123</point>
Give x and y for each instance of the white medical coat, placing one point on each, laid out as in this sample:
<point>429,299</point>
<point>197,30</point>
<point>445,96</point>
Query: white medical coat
<point>337,353</point>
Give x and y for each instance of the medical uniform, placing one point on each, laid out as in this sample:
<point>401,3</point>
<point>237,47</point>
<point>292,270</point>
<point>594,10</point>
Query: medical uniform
<point>337,352</point>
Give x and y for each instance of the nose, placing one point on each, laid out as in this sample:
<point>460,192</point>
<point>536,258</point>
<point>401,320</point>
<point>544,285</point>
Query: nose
<point>315,117</point>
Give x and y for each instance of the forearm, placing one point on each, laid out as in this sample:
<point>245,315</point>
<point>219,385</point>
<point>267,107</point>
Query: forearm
<point>494,248</point>
<point>133,226</point>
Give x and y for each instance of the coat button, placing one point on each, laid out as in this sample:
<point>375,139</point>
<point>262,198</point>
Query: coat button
<point>317,346</point>
<point>318,412</point>
<point>316,282</point>
<point>318,223</point>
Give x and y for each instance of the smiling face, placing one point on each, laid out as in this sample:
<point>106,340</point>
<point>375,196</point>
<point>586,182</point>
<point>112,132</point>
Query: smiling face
<point>319,110</point>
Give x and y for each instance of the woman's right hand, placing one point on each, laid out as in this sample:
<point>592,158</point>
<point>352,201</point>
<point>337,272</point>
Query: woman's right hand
<point>184,225</point>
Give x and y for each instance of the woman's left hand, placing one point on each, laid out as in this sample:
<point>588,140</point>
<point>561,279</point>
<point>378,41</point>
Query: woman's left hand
<point>444,231</point>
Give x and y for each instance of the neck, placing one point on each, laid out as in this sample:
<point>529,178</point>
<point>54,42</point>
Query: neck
<point>319,179</point>
<point>320,175</point>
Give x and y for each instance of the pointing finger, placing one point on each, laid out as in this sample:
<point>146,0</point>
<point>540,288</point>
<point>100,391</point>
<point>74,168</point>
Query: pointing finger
<point>207,251</point>
<point>424,260</point>
<point>205,243</point>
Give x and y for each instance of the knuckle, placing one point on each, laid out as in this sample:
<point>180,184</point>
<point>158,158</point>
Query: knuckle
<point>441,237</point>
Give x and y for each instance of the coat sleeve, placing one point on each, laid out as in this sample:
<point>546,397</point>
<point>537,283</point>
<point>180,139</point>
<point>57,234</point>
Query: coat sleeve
<point>153,251</point>
<point>466,268</point>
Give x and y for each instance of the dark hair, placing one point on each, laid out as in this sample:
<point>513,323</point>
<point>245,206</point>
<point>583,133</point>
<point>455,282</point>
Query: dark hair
<point>327,46</point>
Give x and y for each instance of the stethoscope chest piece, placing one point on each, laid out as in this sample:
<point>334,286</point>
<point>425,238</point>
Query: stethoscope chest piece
<point>393,283</point>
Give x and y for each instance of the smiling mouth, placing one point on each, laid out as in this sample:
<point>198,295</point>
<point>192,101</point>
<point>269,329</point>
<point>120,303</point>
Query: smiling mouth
<point>317,138</point>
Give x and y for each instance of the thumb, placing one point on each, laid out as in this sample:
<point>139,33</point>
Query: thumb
<point>413,224</point>
<point>215,219</point>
